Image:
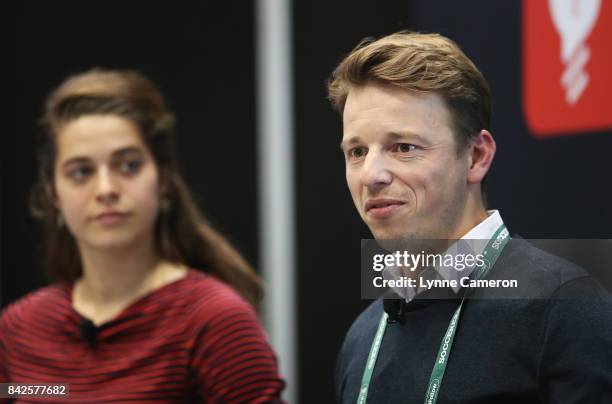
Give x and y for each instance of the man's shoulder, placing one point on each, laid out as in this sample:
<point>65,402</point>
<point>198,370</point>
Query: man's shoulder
<point>365,325</point>
<point>543,274</point>
<point>362,331</point>
<point>355,347</point>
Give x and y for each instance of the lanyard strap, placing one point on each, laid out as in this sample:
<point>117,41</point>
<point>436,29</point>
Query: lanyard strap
<point>367,372</point>
<point>491,252</point>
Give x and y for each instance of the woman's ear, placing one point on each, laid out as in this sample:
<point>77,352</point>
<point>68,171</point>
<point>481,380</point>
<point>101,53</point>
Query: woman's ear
<point>52,195</point>
<point>165,203</point>
<point>162,184</point>
<point>483,152</point>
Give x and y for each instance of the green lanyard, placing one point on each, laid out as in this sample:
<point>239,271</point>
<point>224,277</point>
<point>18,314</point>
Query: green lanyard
<point>491,252</point>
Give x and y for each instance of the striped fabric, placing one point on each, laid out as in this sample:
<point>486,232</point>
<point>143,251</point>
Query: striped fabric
<point>192,340</point>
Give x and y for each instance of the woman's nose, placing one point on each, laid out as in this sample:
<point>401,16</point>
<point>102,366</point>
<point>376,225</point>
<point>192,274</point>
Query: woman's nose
<point>107,191</point>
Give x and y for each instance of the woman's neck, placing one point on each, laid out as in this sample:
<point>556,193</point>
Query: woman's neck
<point>114,279</point>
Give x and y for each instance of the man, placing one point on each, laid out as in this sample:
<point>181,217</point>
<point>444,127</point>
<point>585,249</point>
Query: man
<point>417,144</point>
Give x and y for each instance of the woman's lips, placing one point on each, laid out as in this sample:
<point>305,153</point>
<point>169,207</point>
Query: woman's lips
<point>110,218</point>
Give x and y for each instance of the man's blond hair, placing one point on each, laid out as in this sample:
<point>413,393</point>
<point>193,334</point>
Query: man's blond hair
<point>421,63</point>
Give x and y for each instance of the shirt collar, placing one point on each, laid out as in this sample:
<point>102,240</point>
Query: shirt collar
<point>479,236</point>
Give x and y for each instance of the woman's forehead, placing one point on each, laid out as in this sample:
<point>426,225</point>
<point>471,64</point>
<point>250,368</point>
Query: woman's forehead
<point>97,136</point>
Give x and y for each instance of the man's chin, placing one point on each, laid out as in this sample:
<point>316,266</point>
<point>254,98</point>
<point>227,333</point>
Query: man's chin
<point>392,234</point>
<point>403,232</point>
<point>415,240</point>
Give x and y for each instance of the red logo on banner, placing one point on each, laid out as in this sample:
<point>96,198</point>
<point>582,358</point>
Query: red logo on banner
<point>567,66</point>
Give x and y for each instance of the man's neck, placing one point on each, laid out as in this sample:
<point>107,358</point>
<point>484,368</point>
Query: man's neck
<point>473,214</point>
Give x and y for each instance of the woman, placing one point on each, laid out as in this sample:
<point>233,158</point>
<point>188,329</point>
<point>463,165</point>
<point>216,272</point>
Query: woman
<point>146,307</point>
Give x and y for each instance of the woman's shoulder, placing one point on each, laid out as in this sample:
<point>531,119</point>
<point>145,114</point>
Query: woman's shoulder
<point>210,297</point>
<point>53,297</point>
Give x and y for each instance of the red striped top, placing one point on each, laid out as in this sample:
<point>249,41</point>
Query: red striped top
<point>192,340</point>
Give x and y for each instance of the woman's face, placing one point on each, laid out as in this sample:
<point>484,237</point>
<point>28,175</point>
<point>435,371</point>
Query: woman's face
<point>106,183</point>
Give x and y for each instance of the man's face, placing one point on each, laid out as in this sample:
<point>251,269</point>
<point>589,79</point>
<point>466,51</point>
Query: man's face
<point>402,168</point>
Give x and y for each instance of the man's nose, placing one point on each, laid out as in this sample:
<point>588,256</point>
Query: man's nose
<point>375,171</point>
<point>107,191</point>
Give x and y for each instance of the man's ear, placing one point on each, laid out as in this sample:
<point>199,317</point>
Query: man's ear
<point>482,154</point>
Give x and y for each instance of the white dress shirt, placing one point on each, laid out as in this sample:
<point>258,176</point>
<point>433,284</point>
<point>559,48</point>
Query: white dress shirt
<point>479,236</point>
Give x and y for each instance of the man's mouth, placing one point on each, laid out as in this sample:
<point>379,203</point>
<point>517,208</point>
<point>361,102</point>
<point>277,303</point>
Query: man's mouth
<point>381,208</point>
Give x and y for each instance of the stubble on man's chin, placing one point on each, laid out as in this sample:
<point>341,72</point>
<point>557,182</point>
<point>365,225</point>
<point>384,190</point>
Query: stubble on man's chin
<point>417,242</point>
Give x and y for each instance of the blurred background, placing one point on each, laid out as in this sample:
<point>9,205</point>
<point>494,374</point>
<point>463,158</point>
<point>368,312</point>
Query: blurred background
<point>551,177</point>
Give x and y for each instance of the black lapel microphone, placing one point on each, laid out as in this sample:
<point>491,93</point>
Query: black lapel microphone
<point>89,331</point>
<point>394,307</point>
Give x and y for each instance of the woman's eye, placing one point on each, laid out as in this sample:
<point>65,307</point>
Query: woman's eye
<point>404,147</point>
<point>356,152</point>
<point>130,166</point>
<point>80,173</point>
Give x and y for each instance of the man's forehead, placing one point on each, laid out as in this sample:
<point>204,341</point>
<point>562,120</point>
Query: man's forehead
<point>390,109</point>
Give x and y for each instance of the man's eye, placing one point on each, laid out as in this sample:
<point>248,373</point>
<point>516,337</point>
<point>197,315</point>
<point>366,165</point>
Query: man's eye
<point>356,152</point>
<point>130,166</point>
<point>404,147</point>
<point>80,173</point>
